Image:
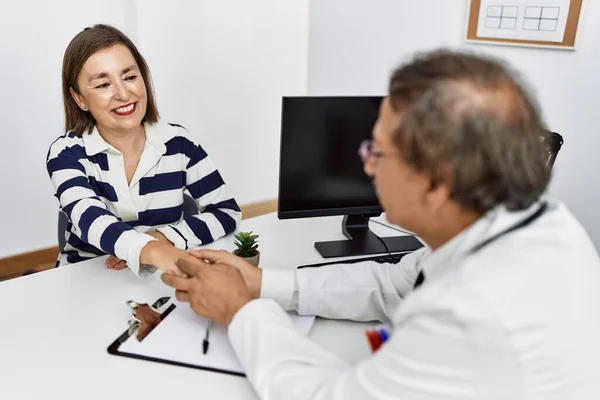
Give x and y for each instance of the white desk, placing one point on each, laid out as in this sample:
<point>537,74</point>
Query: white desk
<point>55,325</point>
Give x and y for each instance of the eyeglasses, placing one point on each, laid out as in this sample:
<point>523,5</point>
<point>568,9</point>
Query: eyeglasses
<point>366,151</point>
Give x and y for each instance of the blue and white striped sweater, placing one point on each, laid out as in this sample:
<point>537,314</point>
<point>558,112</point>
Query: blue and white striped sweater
<point>108,216</point>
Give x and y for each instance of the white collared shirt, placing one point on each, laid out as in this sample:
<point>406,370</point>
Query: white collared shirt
<point>519,319</point>
<point>108,215</point>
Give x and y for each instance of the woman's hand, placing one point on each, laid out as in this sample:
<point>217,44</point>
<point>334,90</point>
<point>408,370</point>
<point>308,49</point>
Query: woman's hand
<point>163,256</point>
<point>115,263</point>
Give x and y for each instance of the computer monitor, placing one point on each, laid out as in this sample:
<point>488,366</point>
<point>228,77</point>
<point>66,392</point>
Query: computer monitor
<point>321,174</point>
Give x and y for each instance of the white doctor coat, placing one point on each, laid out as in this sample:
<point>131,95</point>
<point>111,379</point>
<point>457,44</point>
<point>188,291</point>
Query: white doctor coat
<point>518,319</point>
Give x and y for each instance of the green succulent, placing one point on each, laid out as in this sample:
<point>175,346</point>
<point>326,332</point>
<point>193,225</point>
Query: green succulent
<point>246,244</point>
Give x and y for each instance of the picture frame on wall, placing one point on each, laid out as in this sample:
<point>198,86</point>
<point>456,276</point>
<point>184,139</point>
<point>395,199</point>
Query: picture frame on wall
<point>537,23</point>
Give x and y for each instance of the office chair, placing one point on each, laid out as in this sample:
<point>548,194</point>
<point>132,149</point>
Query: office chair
<point>554,142</point>
<point>189,208</point>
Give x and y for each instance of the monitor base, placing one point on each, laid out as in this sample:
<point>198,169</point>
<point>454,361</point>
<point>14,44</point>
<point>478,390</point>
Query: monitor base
<point>361,241</point>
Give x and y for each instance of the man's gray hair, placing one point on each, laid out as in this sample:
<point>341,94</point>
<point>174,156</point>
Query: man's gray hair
<point>468,122</point>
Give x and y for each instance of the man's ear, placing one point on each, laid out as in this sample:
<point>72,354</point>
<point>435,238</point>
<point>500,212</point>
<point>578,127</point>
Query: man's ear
<point>77,97</point>
<point>441,186</point>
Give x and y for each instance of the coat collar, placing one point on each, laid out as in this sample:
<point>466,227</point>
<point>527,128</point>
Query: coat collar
<point>493,222</point>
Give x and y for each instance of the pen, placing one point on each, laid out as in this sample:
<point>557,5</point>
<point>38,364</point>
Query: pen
<point>377,336</point>
<point>205,341</point>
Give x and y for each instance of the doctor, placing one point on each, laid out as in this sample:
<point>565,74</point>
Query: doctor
<point>505,304</point>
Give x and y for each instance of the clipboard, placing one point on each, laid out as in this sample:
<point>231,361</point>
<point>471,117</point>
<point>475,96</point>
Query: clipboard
<point>177,340</point>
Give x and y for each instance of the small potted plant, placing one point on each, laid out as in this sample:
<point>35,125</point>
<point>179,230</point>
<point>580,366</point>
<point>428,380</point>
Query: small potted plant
<point>247,247</point>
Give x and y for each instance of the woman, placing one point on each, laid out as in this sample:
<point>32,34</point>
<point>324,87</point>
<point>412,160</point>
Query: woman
<point>120,173</point>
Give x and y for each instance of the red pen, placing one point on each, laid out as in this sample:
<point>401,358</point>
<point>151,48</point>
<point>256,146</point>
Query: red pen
<point>377,336</point>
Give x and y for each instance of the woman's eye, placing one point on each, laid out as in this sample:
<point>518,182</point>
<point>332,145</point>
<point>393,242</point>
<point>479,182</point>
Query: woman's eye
<point>131,78</point>
<point>102,86</point>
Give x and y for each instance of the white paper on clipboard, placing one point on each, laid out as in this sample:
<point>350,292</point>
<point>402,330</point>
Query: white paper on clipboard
<point>178,339</point>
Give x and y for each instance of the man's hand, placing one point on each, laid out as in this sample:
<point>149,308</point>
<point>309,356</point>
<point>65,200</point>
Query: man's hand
<point>252,275</point>
<point>113,262</point>
<point>214,291</point>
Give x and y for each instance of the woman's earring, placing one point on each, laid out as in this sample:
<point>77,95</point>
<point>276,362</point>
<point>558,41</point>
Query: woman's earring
<point>84,108</point>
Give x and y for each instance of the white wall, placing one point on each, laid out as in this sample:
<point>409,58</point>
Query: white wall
<point>354,44</point>
<point>219,68</point>
<point>33,38</point>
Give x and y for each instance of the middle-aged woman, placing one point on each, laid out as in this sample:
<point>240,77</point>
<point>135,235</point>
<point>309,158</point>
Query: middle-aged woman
<point>120,173</point>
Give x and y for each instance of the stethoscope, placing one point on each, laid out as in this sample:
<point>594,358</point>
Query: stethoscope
<point>379,335</point>
<point>527,221</point>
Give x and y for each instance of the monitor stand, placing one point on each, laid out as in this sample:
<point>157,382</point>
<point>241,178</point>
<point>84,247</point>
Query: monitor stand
<point>362,241</point>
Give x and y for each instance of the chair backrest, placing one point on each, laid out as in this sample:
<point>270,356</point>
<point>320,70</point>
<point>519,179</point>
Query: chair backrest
<point>554,142</point>
<point>189,208</point>
<point>63,222</point>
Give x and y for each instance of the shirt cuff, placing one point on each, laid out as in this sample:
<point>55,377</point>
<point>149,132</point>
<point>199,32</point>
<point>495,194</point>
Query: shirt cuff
<point>252,315</point>
<point>280,285</point>
<point>133,256</point>
<point>174,236</point>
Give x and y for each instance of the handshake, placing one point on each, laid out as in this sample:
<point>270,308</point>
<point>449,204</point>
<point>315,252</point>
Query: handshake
<point>217,284</point>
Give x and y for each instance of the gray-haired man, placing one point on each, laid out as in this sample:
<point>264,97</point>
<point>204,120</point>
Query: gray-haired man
<point>510,303</point>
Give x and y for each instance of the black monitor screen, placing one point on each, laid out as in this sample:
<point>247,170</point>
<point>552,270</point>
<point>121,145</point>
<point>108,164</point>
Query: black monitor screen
<point>320,172</point>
